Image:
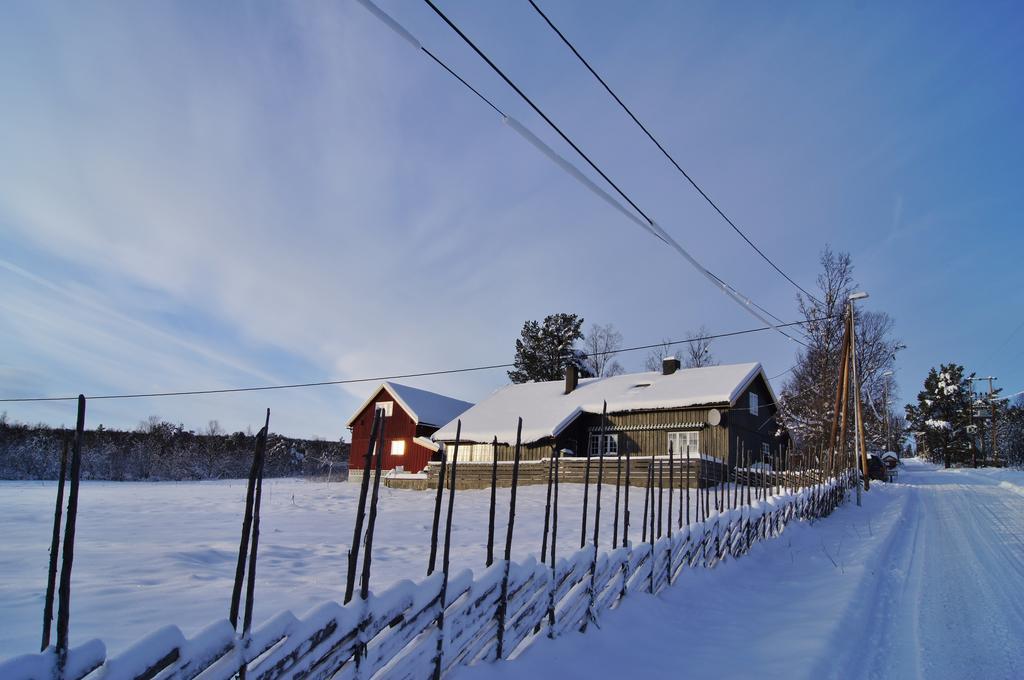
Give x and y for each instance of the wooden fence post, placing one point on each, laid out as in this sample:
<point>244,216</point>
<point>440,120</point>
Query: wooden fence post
<point>650,485</point>
<point>586,497</point>
<point>554,564</point>
<point>689,479</point>
<point>547,510</point>
<point>68,554</point>
<point>707,491</point>
<point>737,495</point>
<point>625,502</point>
<point>243,547</point>
<point>618,486</point>
<point>661,496</point>
<point>718,487</point>
<point>371,523</point>
<point>750,472</point>
<point>591,615</point>
<point>432,561</point>
<point>503,603</point>
<point>51,576</point>
<point>250,586</point>
<point>699,511</point>
<point>357,531</point>
<point>671,487</point>
<point>490,516</point>
<point>445,560</point>
<point>647,504</point>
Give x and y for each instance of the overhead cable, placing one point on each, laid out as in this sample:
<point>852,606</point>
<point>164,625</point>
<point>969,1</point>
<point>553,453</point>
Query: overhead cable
<point>381,378</point>
<point>666,153</point>
<point>652,227</point>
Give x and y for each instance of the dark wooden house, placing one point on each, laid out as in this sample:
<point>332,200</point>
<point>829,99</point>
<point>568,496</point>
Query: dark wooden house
<point>714,412</point>
<point>412,416</point>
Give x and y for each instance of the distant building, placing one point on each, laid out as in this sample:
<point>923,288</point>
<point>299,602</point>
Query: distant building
<point>412,415</point>
<point>714,411</point>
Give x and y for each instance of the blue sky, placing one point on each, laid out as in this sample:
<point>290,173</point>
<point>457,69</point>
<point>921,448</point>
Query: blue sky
<point>225,194</point>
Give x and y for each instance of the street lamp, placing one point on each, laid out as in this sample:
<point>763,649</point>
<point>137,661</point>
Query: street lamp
<point>857,439</point>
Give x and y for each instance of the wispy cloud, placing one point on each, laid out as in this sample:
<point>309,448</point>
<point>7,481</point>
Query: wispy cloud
<point>202,196</point>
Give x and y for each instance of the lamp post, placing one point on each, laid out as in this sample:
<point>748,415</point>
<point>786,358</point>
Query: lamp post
<point>859,445</point>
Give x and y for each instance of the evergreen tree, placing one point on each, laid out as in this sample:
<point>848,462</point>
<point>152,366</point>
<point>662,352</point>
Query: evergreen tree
<point>544,350</point>
<point>1010,432</point>
<point>942,414</point>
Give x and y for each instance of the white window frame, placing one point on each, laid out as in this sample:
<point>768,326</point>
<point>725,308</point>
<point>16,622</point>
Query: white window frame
<point>754,403</point>
<point>386,406</point>
<point>611,445</point>
<point>766,449</point>
<point>681,439</point>
<point>397,447</point>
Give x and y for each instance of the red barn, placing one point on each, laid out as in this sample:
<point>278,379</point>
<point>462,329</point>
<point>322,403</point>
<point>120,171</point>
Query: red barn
<point>412,416</point>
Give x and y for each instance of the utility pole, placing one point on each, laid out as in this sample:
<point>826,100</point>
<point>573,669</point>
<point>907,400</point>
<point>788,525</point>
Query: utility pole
<point>972,428</point>
<point>858,428</point>
<point>976,401</point>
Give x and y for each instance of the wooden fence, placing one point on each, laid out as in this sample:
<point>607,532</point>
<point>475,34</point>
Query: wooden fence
<point>425,629</point>
<point>475,475</point>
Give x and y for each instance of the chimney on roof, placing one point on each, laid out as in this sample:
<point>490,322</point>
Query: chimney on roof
<point>572,378</point>
<point>669,365</point>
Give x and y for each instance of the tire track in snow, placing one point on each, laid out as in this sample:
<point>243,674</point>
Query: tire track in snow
<point>861,624</point>
<point>958,612</point>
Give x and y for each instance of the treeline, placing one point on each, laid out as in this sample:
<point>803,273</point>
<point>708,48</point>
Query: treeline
<point>162,451</point>
<point>1010,432</point>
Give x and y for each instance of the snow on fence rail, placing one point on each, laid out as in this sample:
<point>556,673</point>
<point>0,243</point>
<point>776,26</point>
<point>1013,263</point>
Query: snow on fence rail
<point>408,632</point>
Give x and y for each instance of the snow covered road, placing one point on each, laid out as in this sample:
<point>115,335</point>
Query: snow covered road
<point>926,580</point>
<point>955,607</point>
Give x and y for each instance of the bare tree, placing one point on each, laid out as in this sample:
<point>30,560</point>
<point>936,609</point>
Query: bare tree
<point>658,354</point>
<point>698,350</point>
<point>600,345</point>
<point>150,424</point>
<point>809,393</point>
<point>213,429</point>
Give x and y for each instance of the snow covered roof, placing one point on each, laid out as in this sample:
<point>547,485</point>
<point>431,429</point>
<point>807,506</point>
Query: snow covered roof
<point>546,410</point>
<point>426,408</point>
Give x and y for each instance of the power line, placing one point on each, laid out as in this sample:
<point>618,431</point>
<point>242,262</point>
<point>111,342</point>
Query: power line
<point>651,226</point>
<point>536,108</point>
<point>351,381</point>
<point>461,80</point>
<point>766,312</point>
<point>666,153</point>
<point>1006,342</point>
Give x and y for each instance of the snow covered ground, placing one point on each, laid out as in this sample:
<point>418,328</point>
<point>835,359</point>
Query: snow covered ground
<point>149,554</point>
<point>923,581</point>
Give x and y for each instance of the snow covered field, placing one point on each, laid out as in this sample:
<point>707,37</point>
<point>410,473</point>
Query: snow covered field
<point>923,581</point>
<point>148,554</point>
